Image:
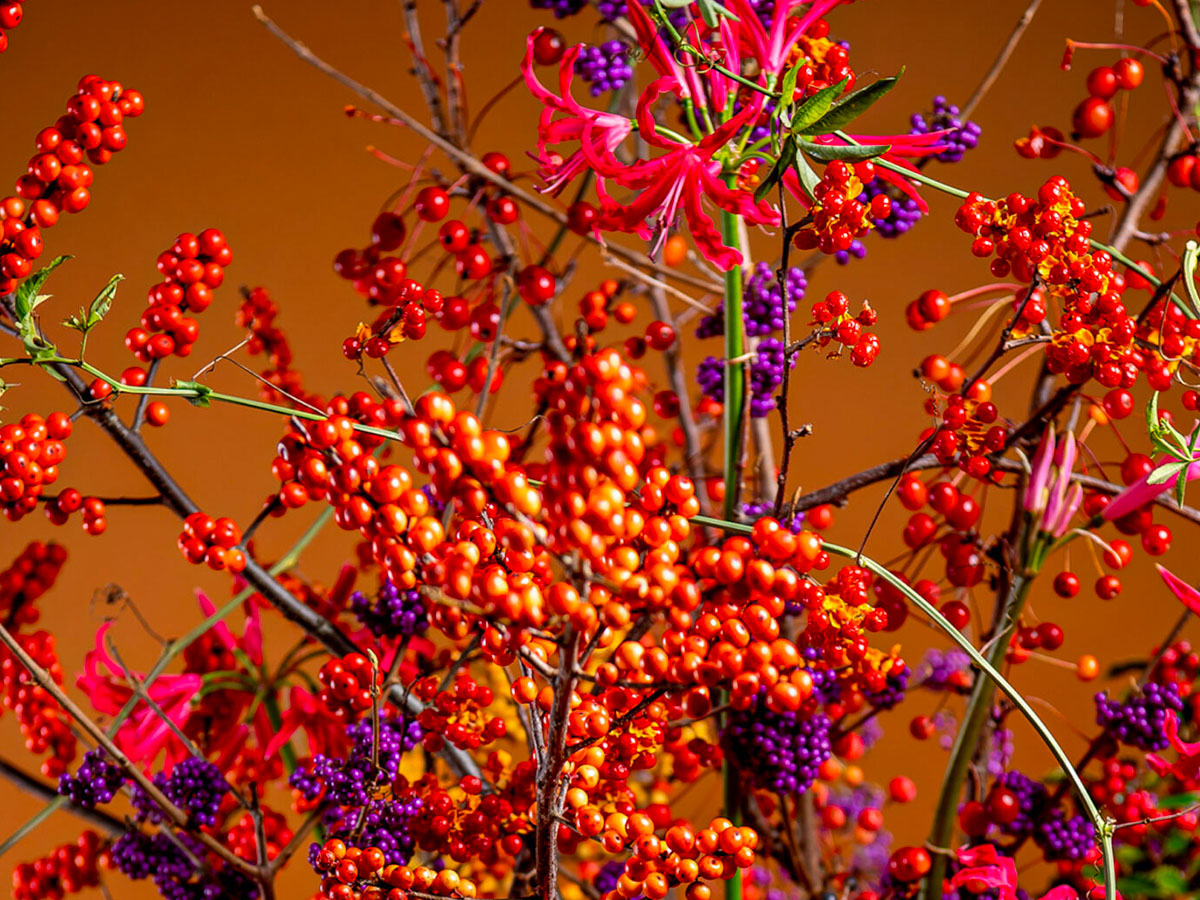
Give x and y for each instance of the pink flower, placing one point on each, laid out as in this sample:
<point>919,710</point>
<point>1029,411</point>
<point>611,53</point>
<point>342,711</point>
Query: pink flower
<point>598,133</point>
<point>1142,492</point>
<point>1187,595</point>
<point>984,869</point>
<point>1187,767</point>
<point>250,642</point>
<point>771,46</point>
<point>143,735</point>
<point>1050,493</point>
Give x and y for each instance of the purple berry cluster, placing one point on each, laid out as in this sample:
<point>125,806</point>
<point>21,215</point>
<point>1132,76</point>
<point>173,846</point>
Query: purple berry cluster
<point>349,782</point>
<point>1140,720</point>
<point>892,693</point>
<point>392,613</point>
<point>383,824</point>
<point>710,375</point>
<point>857,250</point>
<point>938,667</point>
<point>96,781</point>
<point>960,136</point>
<point>766,375</point>
<point>1031,801</point>
<point>168,860</point>
<point>609,876</point>
<point>762,303</point>
<point>195,785</point>
<point>605,67</point>
<point>560,8</point>
<point>1065,837</point>
<point>779,752</point>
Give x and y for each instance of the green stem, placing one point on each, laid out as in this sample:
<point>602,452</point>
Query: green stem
<point>966,742</point>
<point>735,384</point>
<point>735,372</point>
<point>1103,825</point>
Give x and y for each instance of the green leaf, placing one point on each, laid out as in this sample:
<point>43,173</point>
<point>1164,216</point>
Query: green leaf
<point>1166,472</point>
<point>203,392</point>
<point>103,301</point>
<point>1170,881</point>
<point>1181,484</point>
<point>1179,801</point>
<point>1137,886</point>
<point>847,152</point>
<point>809,179</point>
<point>812,109</point>
<point>853,106</point>
<point>27,297</point>
<point>1190,255</point>
<point>787,157</point>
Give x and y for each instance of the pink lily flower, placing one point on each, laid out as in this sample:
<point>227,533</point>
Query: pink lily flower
<point>598,133</point>
<point>250,642</point>
<point>1186,594</point>
<point>985,869</point>
<point>143,735</point>
<point>1187,767</point>
<point>1142,492</point>
<point>1050,496</point>
<point>772,47</point>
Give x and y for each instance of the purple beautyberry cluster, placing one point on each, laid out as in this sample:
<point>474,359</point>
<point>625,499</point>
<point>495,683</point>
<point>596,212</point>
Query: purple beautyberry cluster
<point>383,824</point>
<point>605,67</point>
<point>1140,720</point>
<point>195,785</point>
<point>938,667</point>
<point>168,860</point>
<point>905,213</point>
<point>96,781</point>
<point>392,613</point>
<point>780,752</point>
<point>892,693</point>
<point>560,8</point>
<point>1065,837</point>
<point>960,136</point>
<point>348,781</point>
<point>762,303</point>
<point>1031,801</point>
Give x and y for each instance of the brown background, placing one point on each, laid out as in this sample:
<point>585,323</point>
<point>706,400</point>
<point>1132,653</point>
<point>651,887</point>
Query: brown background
<point>240,135</point>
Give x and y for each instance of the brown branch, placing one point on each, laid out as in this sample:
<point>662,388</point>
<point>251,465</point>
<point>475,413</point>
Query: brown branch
<point>549,778</point>
<point>465,160</point>
<point>421,69</point>
<point>1001,60</point>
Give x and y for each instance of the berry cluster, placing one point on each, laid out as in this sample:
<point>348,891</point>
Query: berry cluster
<point>778,751</point>
<point>832,315</point>
<point>605,67</point>
<point>1140,719</point>
<point>192,269</point>
<point>68,869</point>
<point>348,685</point>
<point>957,136</point>
<point>30,575</point>
<point>43,723</point>
<point>58,178</point>
<point>194,785</point>
<point>351,872</point>
<point>840,212</point>
<point>457,715</point>
<point>213,542</point>
<point>96,781</point>
<point>284,384</point>
<point>1095,115</point>
<point>392,613</point>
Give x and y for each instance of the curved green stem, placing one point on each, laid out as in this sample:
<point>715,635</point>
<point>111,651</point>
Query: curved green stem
<point>735,372</point>
<point>1103,825</point>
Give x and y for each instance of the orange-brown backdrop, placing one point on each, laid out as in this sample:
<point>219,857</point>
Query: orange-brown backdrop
<point>240,135</point>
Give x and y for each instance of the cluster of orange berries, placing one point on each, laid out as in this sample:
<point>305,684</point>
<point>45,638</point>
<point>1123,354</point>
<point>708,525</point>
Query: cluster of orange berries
<point>683,856</point>
<point>597,305</point>
<point>970,429</point>
<point>358,873</point>
<point>58,178</point>
<point>192,269</point>
<point>213,542</point>
<point>838,214</point>
<point>348,685</point>
<point>69,869</point>
<point>464,823</point>
<point>456,715</point>
<point>257,315</point>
